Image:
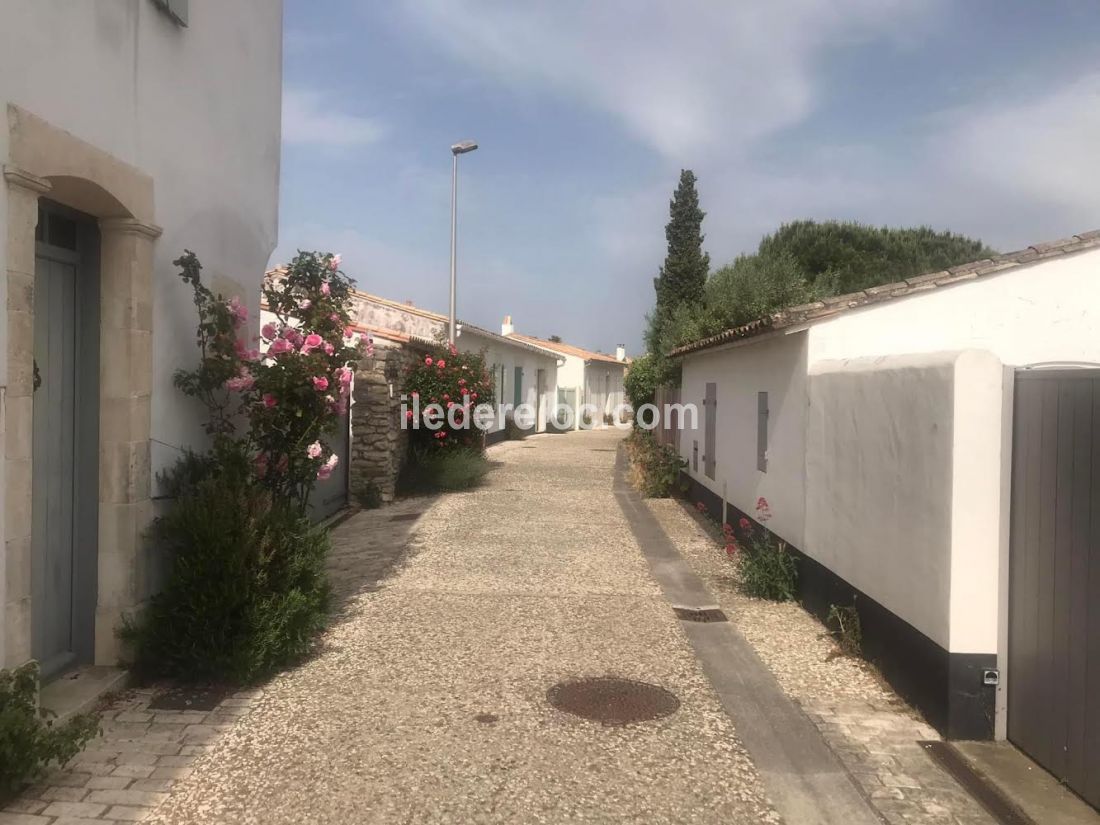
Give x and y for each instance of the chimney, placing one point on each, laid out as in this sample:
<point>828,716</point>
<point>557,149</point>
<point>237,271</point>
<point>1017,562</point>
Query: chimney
<point>620,353</point>
<point>506,328</point>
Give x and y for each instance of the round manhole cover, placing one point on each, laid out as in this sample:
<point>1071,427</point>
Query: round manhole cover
<point>613,701</point>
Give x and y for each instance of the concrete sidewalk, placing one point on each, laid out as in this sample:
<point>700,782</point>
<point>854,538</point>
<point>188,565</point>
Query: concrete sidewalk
<point>428,701</point>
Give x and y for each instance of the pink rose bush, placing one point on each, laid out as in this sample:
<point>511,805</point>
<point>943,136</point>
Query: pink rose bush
<point>281,395</point>
<point>455,381</point>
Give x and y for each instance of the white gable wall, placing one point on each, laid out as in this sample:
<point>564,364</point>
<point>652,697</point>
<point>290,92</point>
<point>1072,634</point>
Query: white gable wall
<point>1047,311</point>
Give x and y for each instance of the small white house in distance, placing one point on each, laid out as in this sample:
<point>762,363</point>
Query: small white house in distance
<point>930,449</point>
<point>584,377</point>
<point>131,131</point>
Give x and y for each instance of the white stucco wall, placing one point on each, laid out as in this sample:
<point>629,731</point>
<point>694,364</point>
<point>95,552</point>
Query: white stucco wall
<point>603,386</point>
<point>499,353</point>
<point>904,462</point>
<point>1046,311</point>
<point>878,481</point>
<point>776,366</point>
<point>198,110</point>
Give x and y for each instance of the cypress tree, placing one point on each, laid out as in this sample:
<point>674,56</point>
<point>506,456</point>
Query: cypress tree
<point>684,273</point>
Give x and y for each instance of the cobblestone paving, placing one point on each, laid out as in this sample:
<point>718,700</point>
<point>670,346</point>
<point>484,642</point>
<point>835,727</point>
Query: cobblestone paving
<point>130,769</point>
<point>867,725</point>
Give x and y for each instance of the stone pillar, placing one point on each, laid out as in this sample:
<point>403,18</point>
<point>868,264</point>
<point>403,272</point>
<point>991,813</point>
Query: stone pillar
<point>379,442</point>
<point>24,190</point>
<point>125,386</point>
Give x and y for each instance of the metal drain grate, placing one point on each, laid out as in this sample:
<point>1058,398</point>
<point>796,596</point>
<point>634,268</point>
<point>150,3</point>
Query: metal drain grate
<point>700,614</point>
<point>613,701</point>
<point>198,697</point>
<point>406,517</point>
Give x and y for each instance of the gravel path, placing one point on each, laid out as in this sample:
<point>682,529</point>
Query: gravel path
<point>872,730</point>
<point>427,703</point>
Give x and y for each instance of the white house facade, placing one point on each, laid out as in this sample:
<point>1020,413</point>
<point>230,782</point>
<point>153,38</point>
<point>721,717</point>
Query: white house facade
<point>122,145</point>
<point>926,449</point>
<point>586,379</point>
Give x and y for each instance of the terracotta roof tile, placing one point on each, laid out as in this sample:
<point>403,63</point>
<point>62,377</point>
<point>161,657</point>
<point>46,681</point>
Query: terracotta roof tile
<point>834,305</point>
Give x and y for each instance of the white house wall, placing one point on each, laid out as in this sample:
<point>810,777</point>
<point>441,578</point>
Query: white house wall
<point>778,367</point>
<point>1047,311</point>
<point>498,353</point>
<point>879,462</point>
<point>125,78</point>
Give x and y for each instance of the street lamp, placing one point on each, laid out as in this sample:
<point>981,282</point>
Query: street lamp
<point>456,150</point>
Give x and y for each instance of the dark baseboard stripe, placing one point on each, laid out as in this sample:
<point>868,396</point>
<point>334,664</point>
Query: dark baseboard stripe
<point>946,687</point>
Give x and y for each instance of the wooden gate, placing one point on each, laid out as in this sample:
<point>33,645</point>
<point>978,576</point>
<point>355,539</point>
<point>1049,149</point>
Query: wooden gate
<point>331,495</point>
<point>1054,609</point>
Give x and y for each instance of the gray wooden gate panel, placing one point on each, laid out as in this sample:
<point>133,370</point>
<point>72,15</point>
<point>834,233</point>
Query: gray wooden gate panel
<point>53,440</point>
<point>1054,612</point>
<point>331,495</point>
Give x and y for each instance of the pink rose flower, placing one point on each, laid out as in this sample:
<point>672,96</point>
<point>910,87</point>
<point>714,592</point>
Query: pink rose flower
<point>325,289</point>
<point>334,264</point>
<point>314,450</point>
<point>320,383</point>
<point>441,363</point>
<point>329,348</point>
<point>239,310</point>
<point>269,400</point>
<point>280,346</point>
<point>428,361</point>
<point>269,332</point>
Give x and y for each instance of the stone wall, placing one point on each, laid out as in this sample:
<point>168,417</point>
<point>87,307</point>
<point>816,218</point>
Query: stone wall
<point>379,445</point>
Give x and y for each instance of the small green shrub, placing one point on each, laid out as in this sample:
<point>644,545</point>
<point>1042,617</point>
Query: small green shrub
<point>246,591</point>
<point>369,496</point>
<point>29,739</point>
<point>843,622</point>
<point>512,430</point>
<point>455,468</point>
<point>768,570</point>
<point>656,466</point>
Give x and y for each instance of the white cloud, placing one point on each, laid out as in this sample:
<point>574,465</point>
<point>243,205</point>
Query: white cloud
<point>691,77</point>
<point>313,118</point>
<point>1044,147</point>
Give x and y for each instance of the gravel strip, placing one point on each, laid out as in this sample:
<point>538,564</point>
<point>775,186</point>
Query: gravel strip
<point>871,729</point>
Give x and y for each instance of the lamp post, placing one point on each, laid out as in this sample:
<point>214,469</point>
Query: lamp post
<point>456,150</point>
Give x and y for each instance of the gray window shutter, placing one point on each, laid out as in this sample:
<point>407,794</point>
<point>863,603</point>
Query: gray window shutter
<point>762,432</point>
<point>710,431</point>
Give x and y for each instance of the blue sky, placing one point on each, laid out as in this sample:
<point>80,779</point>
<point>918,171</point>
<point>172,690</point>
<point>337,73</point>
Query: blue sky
<point>980,116</point>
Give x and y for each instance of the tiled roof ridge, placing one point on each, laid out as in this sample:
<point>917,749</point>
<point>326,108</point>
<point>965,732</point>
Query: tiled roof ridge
<point>836,304</point>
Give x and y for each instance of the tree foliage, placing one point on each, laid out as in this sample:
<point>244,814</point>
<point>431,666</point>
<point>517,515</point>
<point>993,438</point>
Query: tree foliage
<point>807,260</point>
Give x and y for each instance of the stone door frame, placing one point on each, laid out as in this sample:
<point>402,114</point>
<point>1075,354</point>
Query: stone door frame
<point>46,160</point>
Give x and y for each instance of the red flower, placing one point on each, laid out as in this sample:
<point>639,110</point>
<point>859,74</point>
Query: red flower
<point>744,523</point>
<point>446,397</point>
<point>702,508</point>
<point>732,549</point>
<point>727,528</point>
<point>409,414</point>
<point>440,363</point>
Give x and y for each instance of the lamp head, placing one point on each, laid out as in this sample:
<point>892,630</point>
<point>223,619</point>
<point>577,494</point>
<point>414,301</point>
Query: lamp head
<point>463,147</point>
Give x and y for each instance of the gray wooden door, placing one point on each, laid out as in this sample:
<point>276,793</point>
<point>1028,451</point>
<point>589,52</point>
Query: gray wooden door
<point>1054,610</point>
<point>331,495</point>
<point>64,441</point>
